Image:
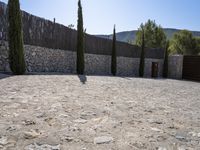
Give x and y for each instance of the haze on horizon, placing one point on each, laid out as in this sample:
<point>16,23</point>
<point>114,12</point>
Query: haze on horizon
<point>101,15</point>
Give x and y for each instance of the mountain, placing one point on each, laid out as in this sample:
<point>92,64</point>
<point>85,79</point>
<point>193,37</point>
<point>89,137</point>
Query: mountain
<point>127,36</point>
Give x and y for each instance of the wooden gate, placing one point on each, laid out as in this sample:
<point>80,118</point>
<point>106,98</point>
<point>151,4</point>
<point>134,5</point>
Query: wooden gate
<point>191,68</point>
<point>154,70</point>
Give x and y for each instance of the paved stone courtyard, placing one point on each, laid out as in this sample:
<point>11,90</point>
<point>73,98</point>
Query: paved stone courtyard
<point>67,112</point>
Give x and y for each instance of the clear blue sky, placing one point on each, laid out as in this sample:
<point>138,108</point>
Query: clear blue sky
<point>101,15</point>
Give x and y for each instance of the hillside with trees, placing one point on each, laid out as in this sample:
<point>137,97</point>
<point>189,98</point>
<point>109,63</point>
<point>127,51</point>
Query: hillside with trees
<point>129,36</point>
<point>183,42</point>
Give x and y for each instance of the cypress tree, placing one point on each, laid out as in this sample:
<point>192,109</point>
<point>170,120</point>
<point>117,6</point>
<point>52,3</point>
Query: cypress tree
<point>114,55</point>
<point>80,38</point>
<point>142,57</point>
<point>165,65</point>
<point>16,47</point>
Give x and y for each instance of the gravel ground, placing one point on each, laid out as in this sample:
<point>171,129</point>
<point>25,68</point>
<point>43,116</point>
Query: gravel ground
<point>67,112</point>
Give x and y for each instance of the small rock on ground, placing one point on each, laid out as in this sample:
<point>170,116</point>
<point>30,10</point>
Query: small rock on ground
<point>103,140</point>
<point>42,147</point>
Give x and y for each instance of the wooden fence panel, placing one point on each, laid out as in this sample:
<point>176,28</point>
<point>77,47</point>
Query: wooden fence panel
<point>191,68</point>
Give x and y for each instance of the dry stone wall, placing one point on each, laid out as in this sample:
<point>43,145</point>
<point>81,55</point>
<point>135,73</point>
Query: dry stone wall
<point>4,62</point>
<point>128,66</point>
<point>97,64</point>
<point>40,59</point>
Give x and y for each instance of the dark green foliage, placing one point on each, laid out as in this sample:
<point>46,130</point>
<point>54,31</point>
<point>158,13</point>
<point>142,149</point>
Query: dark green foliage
<point>198,45</point>
<point>114,55</point>
<point>80,42</point>
<point>165,65</point>
<point>142,57</point>
<point>184,42</point>
<point>154,35</point>
<point>16,49</point>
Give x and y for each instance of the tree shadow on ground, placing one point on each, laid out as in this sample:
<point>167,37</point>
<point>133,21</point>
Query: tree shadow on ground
<point>145,78</point>
<point>82,78</point>
<point>5,75</point>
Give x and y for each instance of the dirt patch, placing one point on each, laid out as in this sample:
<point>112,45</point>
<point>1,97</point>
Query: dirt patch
<point>61,112</point>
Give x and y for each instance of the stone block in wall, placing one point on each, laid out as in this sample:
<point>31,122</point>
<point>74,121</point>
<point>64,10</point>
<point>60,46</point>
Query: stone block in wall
<point>175,66</point>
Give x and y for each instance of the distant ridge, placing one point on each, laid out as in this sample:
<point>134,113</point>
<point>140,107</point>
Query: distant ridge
<point>131,35</point>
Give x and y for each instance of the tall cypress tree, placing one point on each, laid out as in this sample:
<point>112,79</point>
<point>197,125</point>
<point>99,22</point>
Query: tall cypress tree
<point>114,55</point>
<point>80,45</point>
<point>142,57</point>
<point>165,65</point>
<point>16,47</point>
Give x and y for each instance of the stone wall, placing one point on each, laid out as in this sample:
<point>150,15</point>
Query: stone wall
<point>148,67</point>
<point>4,65</point>
<point>40,59</point>
<point>97,64</point>
<point>175,66</point>
<point>59,54</point>
<point>45,33</point>
<point>128,66</point>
